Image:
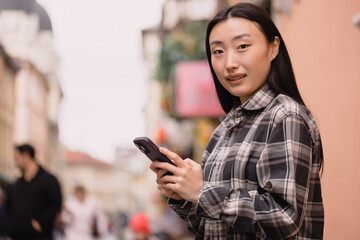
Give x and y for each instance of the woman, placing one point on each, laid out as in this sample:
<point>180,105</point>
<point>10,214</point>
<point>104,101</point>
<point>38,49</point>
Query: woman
<point>259,175</point>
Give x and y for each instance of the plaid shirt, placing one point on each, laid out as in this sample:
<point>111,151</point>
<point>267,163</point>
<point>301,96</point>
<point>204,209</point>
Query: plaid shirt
<point>261,174</point>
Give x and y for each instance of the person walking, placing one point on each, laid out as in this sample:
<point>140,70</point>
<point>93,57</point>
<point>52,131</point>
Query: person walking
<point>260,173</point>
<point>140,226</point>
<point>83,217</point>
<point>34,199</point>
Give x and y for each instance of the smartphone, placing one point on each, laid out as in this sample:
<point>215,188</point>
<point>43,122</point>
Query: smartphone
<point>151,150</point>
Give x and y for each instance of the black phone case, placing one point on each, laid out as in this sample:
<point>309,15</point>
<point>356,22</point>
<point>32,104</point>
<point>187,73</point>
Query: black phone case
<point>151,150</point>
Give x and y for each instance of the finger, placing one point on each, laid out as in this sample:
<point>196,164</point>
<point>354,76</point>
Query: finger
<point>165,189</point>
<point>170,193</point>
<point>157,169</point>
<point>192,163</point>
<point>160,174</point>
<point>167,179</point>
<point>153,167</point>
<point>179,162</point>
<point>167,166</point>
<point>169,187</point>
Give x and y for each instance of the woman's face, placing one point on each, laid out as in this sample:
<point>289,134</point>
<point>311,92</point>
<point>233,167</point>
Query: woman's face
<point>241,56</point>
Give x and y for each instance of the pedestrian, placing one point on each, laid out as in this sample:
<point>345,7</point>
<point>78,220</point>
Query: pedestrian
<point>140,226</point>
<point>83,217</point>
<point>259,176</point>
<point>34,199</point>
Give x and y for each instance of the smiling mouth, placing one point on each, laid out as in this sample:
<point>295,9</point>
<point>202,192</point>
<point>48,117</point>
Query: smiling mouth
<point>236,78</point>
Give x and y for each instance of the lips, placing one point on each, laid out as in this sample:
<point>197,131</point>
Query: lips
<point>235,77</point>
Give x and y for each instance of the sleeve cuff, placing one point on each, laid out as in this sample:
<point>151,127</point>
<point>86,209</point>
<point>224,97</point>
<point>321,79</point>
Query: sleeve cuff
<point>211,201</point>
<point>181,207</point>
<point>176,202</point>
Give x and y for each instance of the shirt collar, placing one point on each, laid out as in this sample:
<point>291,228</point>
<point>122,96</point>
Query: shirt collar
<point>260,100</point>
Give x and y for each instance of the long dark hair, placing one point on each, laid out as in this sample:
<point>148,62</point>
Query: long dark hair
<point>281,76</point>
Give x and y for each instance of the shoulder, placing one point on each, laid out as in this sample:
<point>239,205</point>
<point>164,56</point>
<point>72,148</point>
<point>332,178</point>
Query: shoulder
<point>284,108</point>
<point>17,181</point>
<point>70,201</point>
<point>48,177</point>
<point>92,200</point>
<point>15,185</point>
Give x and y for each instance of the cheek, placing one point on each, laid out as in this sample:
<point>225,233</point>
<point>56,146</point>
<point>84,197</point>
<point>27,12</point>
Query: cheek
<point>218,68</point>
<point>259,64</point>
<point>17,162</point>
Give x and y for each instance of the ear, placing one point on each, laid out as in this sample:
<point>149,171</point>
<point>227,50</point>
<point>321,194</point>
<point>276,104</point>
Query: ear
<point>275,47</point>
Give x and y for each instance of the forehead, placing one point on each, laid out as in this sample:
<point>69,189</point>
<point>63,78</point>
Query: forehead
<point>232,27</point>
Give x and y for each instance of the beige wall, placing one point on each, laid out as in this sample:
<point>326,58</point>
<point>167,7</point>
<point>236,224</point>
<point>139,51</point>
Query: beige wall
<point>7,106</point>
<point>31,111</point>
<point>324,46</point>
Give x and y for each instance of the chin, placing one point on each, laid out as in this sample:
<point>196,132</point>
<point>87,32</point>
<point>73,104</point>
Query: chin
<point>237,94</point>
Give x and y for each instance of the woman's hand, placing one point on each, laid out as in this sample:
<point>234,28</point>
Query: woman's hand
<point>160,173</point>
<point>186,181</point>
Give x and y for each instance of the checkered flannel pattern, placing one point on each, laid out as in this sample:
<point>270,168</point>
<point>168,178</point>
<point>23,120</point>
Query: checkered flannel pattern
<point>261,174</point>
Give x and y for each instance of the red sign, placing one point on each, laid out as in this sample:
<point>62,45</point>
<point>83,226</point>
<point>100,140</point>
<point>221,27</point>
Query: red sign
<point>195,90</point>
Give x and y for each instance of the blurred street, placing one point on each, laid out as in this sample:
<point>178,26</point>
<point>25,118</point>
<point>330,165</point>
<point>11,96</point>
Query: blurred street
<point>81,117</point>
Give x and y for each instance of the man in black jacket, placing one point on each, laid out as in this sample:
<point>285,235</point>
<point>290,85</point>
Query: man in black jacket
<point>33,201</point>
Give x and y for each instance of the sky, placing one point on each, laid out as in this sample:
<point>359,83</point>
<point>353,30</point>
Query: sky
<point>102,71</point>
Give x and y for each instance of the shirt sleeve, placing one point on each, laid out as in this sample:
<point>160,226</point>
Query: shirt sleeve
<point>283,172</point>
<point>186,211</point>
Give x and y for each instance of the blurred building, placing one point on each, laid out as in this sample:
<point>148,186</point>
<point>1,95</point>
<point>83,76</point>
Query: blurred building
<point>178,38</point>
<point>8,69</point>
<point>26,36</point>
<point>31,122</point>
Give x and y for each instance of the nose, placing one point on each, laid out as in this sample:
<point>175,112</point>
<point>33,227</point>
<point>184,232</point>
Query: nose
<point>231,61</point>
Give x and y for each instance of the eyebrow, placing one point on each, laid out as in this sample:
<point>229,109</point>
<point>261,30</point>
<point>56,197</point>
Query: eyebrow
<point>237,37</point>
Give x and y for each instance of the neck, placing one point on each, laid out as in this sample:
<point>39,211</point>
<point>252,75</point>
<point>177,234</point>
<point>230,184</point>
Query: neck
<point>31,171</point>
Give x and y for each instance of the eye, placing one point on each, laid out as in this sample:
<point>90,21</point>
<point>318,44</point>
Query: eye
<point>243,46</point>
<point>217,51</point>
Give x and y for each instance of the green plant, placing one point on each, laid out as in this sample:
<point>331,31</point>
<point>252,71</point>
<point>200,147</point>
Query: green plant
<point>184,43</point>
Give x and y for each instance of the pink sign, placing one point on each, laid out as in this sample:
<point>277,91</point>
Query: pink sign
<point>195,90</point>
